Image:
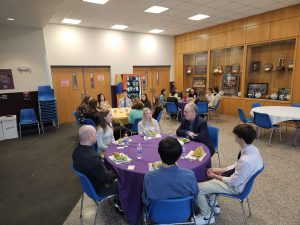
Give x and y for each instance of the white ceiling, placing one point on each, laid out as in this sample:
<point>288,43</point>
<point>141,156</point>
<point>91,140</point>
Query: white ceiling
<point>38,13</point>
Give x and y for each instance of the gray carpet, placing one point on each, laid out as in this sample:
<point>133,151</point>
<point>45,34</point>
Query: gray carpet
<point>37,183</point>
<point>274,198</point>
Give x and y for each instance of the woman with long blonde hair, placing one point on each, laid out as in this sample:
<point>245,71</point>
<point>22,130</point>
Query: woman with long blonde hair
<point>148,126</point>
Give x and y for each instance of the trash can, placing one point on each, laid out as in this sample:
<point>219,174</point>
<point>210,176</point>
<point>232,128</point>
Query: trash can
<point>9,126</point>
<point>1,130</point>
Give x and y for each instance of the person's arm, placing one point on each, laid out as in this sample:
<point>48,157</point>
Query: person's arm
<point>156,126</point>
<point>99,137</point>
<point>182,131</point>
<point>140,128</point>
<point>241,174</point>
<point>98,170</point>
<point>131,116</point>
<point>201,132</point>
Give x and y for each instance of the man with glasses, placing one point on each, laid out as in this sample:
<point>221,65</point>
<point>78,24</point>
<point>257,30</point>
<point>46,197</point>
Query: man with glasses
<point>194,127</point>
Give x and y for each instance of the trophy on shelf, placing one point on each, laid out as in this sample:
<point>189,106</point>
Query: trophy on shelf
<point>281,66</point>
<point>268,67</point>
<point>189,70</point>
<point>218,70</point>
<point>291,65</point>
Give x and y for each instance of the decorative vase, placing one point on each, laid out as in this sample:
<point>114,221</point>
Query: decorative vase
<point>257,95</point>
<point>274,96</point>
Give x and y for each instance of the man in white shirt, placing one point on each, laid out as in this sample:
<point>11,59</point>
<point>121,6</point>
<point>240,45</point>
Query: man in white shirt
<point>231,179</point>
<point>124,101</point>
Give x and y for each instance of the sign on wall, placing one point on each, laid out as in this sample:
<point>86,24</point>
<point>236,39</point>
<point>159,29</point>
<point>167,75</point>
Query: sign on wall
<point>6,79</point>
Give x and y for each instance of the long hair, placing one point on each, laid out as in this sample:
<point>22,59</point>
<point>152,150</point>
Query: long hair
<point>137,104</point>
<point>145,110</point>
<point>102,121</point>
<point>157,102</point>
<point>85,100</point>
<point>146,100</point>
<point>99,97</point>
<point>93,105</point>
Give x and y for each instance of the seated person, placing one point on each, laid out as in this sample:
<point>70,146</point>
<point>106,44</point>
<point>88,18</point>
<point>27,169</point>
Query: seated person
<point>210,97</point>
<point>82,109</point>
<point>217,97</point>
<point>148,125</point>
<point>172,98</point>
<point>88,162</point>
<point>194,127</point>
<point>105,133</point>
<point>157,107</point>
<point>145,101</point>
<point>103,104</point>
<point>124,101</point>
<point>192,93</point>
<point>231,181</point>
<point>169,181</point>
<point>93,111</point>
<point>201,98</point>
<point>163,93</point>
<point>135,112</point>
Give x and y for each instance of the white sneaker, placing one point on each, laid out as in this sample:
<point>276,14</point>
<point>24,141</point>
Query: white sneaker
<point>200,220</point>
<point>217,208</point>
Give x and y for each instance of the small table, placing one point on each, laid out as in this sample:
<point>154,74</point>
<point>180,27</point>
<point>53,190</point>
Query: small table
<point>131,181</point>
<point>278,114</point>
<point>121,114</point>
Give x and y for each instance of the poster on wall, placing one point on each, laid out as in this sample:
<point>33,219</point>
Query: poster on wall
<point>6,79</point>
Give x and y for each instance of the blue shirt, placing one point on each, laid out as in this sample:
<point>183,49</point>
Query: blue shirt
<point>167,183</point>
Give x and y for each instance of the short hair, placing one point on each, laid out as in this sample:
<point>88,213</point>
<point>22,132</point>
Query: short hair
<point>84,132</point>
<point>137,104</point>
<point>192,106</point>
<point>169,150</point>
<point>124,91</point>
<point>246,132</point>
<point>173,92</point>
<point>162,90</point>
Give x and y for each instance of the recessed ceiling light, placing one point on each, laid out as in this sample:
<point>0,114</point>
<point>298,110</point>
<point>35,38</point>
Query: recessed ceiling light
<point>156,9</point>
<point>198,17</point>
<point>155,31</point>
<point>119,27</point>
<point>10,19</point>
<point>101,2</point>
<point>71,21</point>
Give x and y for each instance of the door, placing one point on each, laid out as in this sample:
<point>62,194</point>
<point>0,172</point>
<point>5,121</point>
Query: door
<point>68,89</point>
<point>158,77</point>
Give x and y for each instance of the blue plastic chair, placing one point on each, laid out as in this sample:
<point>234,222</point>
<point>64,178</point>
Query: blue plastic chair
<point>243,118</point>
<point>90,191</point>
<point>295,105</point>
<point>214,135</point>
<point>89,122</point>
<point>263,120</point>
<point>240,197</point>
<point>28,118</point>
<point>171,108</point>
<point>134,128</point>
<point>203,108</point>
<point>76,117</point>
<point>159,117</point>
<point>171,211</point>
<point>257,104</point>
<point>45,93</point>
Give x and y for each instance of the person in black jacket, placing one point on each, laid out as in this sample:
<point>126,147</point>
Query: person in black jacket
<point>87,161</point>
<point>145,101</point>
<point>194,127</point>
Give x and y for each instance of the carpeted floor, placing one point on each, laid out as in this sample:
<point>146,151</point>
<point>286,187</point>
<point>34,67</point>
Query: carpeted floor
<point>38,186</point>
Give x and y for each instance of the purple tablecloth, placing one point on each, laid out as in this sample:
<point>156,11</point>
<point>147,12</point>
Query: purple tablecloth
<point>131,181</point>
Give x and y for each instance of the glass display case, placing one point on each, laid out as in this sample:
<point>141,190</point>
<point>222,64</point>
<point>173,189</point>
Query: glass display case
<point>269,70</point>
<point>188,70</point>
<point>226,66</point>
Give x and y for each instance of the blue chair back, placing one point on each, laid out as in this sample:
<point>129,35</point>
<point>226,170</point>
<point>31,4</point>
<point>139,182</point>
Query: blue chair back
<point>76,117</point>
<point>87,186</point>
<point>170,211</point>
<point>295,105</point>
<point>217,106</point>
<point>135,125</point>
<point>262,120</point>
<point>202,107</point>
<point>243,118</point>
<point>214,135</point>
<point>257,104</point>
<point>171,107</point>
<point>27,116</point>
<point>159,115</point>
<point>45,93</point>
<point>89,122</point>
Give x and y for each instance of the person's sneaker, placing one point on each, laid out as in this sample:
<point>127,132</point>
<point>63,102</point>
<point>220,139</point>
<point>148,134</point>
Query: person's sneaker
<point>200,220</point>
<point>217,208</point>
<point>119,208</point>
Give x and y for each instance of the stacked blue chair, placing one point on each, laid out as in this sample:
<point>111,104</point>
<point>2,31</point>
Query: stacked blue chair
<point>47,106</point>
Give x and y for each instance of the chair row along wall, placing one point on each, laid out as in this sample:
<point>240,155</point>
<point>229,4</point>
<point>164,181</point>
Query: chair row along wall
<point>277,25</point>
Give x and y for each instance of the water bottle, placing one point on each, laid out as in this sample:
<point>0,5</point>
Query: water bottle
<point>126,141</point>
<point>139,151</point>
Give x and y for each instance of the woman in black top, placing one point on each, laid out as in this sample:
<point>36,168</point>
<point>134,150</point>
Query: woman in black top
<point>93,112</point>
<point>157,107</point>
<point>145,101</point>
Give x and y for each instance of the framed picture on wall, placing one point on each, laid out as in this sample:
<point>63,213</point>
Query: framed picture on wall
<point>254,88</point>
<point>230,84</point>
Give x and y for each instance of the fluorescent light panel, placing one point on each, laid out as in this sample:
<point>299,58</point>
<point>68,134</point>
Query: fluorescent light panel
<point>101,2</point>
<point>156,9</point>
<point>10,19</point>
<point>119,27</point>
<point>198,17</point>
<point>155,31</point>
<point>71,21</point>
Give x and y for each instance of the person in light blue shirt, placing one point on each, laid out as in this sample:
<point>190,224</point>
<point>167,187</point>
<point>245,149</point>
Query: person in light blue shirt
<point>124,101</point>
<point>169,181</point>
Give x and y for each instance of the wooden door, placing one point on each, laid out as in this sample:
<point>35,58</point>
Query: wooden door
<point>97,80</point>
<point>68,89</point>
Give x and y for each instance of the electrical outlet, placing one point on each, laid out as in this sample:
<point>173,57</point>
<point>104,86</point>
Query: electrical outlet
<point>3,97</point>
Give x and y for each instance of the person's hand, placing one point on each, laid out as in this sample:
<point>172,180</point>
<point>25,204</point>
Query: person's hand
<point>192,134</point>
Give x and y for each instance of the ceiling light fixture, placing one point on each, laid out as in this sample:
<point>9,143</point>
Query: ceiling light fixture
<point>101,2</point>
<point>119,27</point>
<point>10,19</point>
<point>156,9</point>
<point>155,31</point>
<point>198,17</point>
<point>71,21</point>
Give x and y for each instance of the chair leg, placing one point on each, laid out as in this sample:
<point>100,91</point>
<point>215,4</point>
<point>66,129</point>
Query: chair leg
<point>219,159</point>
<point>250,214</point>
<point>98,206</point>
<point>242,205</point>
<point>81,204</point>
<point>212,210</point>
<point>295,139</point>
<point>39,129</point>
<point>271,135</point>
<point>20,130</point>
<point>280,137</point>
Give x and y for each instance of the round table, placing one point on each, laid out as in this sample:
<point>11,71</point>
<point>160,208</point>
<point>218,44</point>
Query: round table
<point>278,114</point>
<point>121,114</point>
<point>131,181</point>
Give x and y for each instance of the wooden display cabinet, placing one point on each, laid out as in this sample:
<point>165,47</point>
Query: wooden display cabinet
<point>188,70</point>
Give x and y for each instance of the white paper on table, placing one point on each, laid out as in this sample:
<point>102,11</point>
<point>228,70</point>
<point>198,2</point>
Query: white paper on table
<point>157,135</point>
<point>190,157</point>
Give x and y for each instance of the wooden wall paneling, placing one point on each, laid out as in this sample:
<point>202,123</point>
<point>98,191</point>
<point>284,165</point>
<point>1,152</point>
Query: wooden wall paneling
<point>258,33</point>
<point>230,105</point>
<point>285,28</point>
<point>296,77</point>
<point>236,37</point>
<point>202,43</point>
<point>188,46</point>
<point>178,78</point>
<point>218,40</point>
<point>243,71</point>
